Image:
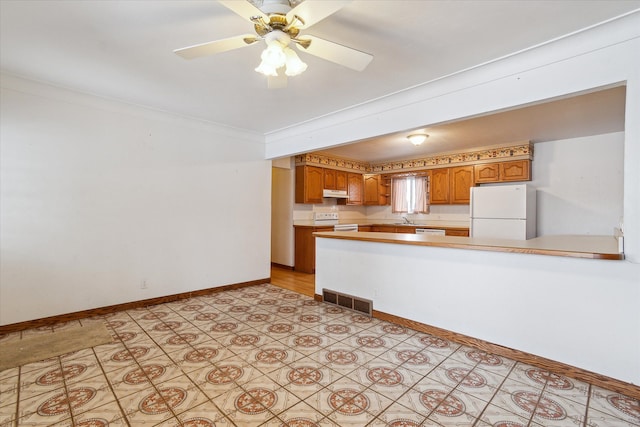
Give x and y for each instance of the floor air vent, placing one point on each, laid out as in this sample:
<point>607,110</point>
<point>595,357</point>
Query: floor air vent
<point>358,304</point>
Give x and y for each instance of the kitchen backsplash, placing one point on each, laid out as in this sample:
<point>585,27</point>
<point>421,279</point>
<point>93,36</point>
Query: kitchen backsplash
<point>304,212</point>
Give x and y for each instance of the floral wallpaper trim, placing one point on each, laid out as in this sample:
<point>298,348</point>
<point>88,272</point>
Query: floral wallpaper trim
<point>320,160</point>
<point>522,151</point>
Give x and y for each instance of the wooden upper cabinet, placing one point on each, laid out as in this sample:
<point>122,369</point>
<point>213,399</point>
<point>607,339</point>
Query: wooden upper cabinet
<point>355,189</point>
<point>439,188</point>
<point>330,179</point>
<point>489,172</point>
<point>309,184</point>
<point>461,180</point>
<point>372,190</point>
<point>517,170</point>
<point>335,179</point>
<point>341,180</point>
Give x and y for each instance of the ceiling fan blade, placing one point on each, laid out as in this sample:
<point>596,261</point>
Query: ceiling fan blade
<point>334,52</point>
<point>314,11</point>
<point>277,82</point>
<point>245,9</point>
<point>211,48</point>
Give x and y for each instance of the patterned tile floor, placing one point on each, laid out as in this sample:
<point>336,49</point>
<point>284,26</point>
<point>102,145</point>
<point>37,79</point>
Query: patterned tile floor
<point>265,356</point>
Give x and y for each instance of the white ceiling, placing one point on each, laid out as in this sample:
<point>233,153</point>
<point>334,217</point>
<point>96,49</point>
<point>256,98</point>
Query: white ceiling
<point>593,113</point>
<point>123,50</point>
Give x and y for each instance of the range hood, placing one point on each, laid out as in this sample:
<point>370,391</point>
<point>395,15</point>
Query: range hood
<point>336,194</point>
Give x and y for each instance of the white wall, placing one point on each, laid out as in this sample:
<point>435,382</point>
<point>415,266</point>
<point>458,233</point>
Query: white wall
<point>579,184</point>
<point>98,196</point>
<point>282,196</point>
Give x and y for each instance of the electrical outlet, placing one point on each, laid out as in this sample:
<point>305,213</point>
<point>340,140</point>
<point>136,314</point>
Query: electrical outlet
<point>143,284</point>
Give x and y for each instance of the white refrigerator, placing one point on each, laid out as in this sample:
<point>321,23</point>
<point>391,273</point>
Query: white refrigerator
<point>503,212</point>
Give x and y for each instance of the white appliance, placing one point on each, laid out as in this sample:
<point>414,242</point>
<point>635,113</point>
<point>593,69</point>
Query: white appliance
<point>336,194</point>
<point>325,218</point>
<point>345,227</point>
<point>503,212</point>
<point>430,231</point>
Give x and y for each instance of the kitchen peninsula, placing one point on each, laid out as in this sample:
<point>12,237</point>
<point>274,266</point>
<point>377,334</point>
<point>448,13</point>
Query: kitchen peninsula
<point>583,246</point>
<point>497,295</point>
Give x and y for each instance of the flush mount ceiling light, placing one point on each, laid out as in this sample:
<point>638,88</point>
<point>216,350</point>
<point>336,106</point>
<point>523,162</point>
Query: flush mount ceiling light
<point>417,138</point>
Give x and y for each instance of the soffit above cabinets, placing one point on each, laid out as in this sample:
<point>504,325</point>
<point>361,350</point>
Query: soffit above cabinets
<point>594,113</point>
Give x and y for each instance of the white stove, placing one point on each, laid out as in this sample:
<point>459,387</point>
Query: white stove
<point>325,218</point>
<point>331,218</point>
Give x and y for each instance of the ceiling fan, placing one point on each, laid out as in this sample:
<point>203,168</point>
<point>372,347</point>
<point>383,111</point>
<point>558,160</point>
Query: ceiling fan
<point>279,25</point>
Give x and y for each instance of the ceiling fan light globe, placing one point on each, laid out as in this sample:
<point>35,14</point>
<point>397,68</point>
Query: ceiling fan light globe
<point>274,56</point>
<point>267,69</point>
<point>294,64</point>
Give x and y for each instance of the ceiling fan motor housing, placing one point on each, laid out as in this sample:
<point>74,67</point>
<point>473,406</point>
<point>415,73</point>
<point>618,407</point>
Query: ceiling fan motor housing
<point>275,6</point>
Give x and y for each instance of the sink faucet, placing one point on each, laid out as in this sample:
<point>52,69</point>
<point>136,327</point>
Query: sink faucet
<point>406,220</point>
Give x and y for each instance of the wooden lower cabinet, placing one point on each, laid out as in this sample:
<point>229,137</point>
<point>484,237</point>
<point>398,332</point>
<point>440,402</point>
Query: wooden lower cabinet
<point>305,248</point>
<point>394,229</point>
<point>364,228</point>
<point>406,229</point>
<point>461,232</point>
<point>384,228</point>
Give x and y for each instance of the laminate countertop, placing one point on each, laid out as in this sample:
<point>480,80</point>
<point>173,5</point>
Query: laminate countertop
<point>577,246</point>
<point>372,222</point>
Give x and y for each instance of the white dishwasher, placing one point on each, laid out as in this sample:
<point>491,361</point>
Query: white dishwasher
<point>430,231</point>
<point>345,227</point>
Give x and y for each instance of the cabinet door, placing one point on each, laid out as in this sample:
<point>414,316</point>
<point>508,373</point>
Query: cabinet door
<point>439,191</point>
<point>406,229</point>
<point>309,183</point>
<point>462,180</point>
<point>456,232</point>
<point>518,170</point>
<point>355,184</point>
<point>341,180</point>
<point>364,228</point>
<point>384,228</point>
<point>330,179</point>
<point>371,190</point>
<point>305,248</point>
<point>486,173</point>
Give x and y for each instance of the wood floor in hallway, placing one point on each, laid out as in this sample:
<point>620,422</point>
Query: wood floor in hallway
<point>294,281</point>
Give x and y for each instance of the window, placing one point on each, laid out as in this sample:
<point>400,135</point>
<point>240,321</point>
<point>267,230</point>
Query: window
<point>410,195</point>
